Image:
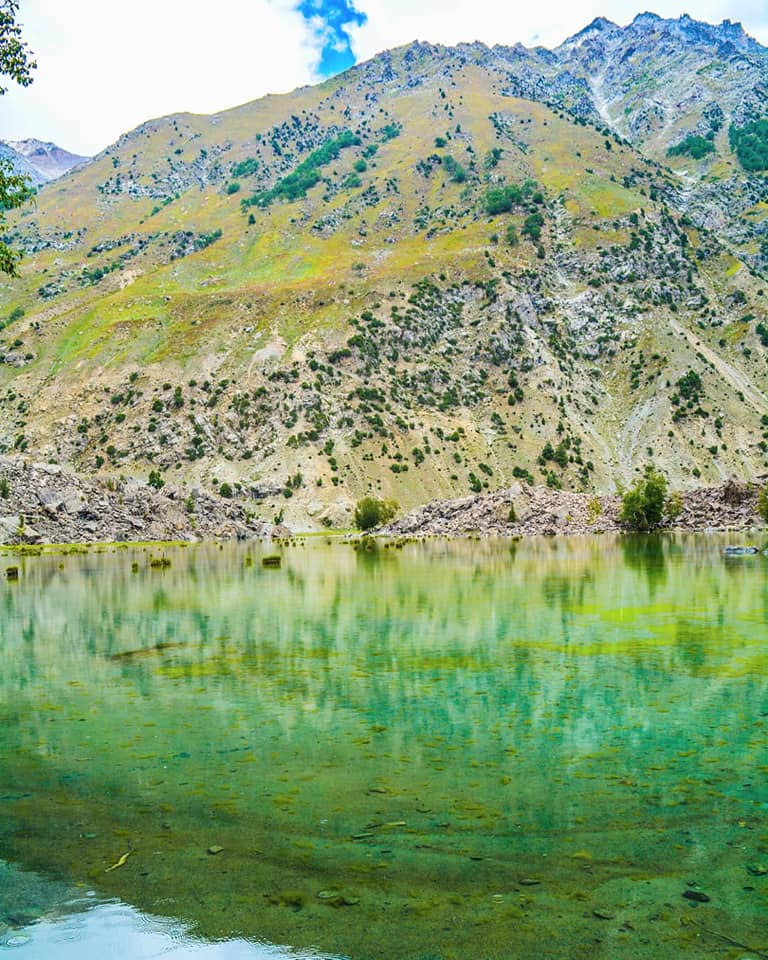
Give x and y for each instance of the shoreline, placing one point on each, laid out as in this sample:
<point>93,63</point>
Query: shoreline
<point>355,538</point>
<point>44,505</point>
<point>520,510</point>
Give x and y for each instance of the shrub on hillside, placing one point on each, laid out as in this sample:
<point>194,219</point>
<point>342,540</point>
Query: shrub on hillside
<point>692,146</point>
<point>751,144</point>
<point>156,480</point>
<point>532,226</point>
<point>673,507</point>
<point>456,172</point>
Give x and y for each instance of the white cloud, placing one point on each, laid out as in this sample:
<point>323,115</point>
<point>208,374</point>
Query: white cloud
<point>104,67</point>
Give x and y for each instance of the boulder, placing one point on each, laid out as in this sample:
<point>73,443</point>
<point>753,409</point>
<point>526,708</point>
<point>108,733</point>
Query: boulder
<point>73,501</point>
<point>52,469</point>
<point>14,529</point>
<point>9,529</point>
<point>50,500</point>
<point>265,488</point>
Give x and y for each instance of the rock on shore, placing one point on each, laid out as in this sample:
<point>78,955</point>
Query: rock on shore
<point>44,503</point>
<point>525,510</point>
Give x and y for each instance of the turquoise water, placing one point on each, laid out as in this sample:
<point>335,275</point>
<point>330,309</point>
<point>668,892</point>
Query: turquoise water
<point>436,750</point>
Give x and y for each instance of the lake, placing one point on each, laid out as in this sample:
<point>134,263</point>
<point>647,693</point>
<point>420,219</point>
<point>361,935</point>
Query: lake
<point>553,748</point>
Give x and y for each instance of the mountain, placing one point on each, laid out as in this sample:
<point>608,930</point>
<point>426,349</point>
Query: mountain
<point>20,164</point>
<point>42,162</point>
<point>441,271</point>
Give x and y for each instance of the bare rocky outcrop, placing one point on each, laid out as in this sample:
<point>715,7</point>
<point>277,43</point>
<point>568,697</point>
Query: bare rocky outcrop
<point>524,510</point>
<point>45,503</point>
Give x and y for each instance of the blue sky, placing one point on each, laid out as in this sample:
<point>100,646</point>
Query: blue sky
<point>104,67</point>
<point>332,19</point>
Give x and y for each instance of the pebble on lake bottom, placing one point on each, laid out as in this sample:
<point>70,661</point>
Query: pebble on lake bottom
<point>696,895</point>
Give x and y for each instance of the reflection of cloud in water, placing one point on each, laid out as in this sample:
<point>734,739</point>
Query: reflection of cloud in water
<point>119,932</point>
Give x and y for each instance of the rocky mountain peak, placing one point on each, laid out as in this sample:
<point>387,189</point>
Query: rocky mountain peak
<point>600,23</point>
<point>597,30</point>
<point>646,19</point>
<point>32,147</point>
<point>689,30</point>
<point>42,160</point>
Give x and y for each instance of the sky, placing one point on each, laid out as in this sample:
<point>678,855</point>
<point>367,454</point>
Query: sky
<point>104,67</point>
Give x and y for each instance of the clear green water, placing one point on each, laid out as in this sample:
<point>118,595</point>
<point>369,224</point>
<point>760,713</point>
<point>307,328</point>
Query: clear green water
<point>448,750</point>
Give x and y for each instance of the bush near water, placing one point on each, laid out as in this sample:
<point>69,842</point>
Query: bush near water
<point>643,504</point>
<point>370,512</point>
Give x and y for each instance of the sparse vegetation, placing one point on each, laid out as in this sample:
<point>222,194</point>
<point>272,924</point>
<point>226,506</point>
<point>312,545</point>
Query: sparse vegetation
<point>306,175</point>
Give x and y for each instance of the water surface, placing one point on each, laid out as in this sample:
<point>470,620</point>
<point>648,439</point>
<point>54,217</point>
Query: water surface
<point>444,750</point>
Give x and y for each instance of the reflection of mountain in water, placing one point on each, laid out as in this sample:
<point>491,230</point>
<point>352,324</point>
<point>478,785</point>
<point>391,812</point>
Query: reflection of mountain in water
<point>513,701</point>
<point>574,641</point>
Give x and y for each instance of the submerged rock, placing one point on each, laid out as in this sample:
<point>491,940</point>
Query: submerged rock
<point>697,896</point>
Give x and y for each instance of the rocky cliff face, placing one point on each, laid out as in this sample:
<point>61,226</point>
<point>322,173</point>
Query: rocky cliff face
<point>441,272</point>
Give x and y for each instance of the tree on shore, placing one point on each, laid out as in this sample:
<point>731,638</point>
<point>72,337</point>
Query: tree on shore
<point>642,506</point>
<point>370,512</point>
<point>17,64</point>
<point>762,503</point>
